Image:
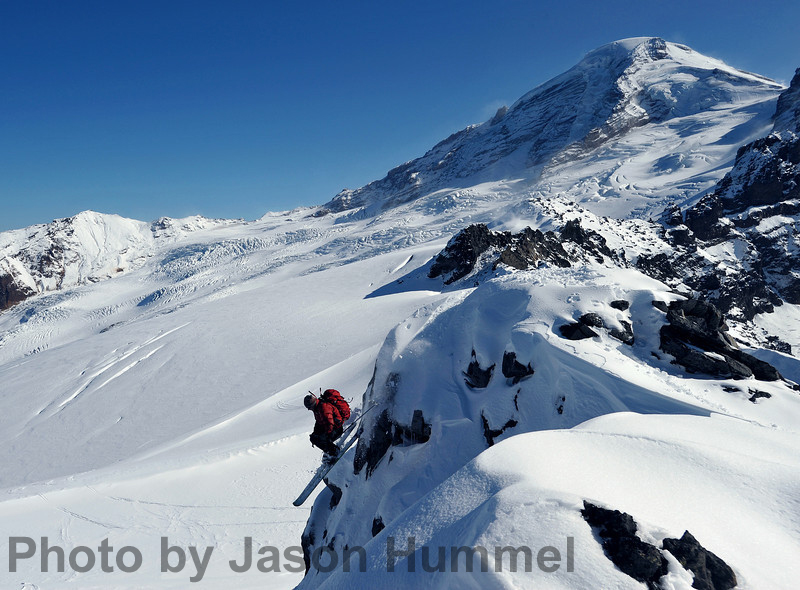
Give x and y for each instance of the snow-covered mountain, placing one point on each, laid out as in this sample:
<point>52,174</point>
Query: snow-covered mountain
<point>753,212</point>
<point>86,248</point>
<point>532,309</point>
<point>695,109</point>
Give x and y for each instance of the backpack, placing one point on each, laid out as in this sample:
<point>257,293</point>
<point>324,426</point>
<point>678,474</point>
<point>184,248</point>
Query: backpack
<point>335,398</point>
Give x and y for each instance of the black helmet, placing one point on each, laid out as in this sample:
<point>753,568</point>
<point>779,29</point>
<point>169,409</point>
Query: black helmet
<point>310,401</point>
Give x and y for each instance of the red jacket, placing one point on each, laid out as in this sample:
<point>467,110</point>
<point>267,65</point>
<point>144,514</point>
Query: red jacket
<point>327,417</point>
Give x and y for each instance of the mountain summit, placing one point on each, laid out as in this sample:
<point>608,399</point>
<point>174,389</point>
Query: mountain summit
<point>616,88</point>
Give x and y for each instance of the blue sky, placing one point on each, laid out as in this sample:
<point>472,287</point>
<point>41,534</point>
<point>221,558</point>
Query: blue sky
<point>236,108</point>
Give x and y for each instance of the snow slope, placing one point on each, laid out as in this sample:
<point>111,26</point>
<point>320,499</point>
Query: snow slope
<point>642,465</point>
<point>728,481</point>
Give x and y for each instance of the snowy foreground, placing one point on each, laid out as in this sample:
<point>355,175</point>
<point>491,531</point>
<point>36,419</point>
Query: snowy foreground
<point>180,417</point>
<point>152,432</point>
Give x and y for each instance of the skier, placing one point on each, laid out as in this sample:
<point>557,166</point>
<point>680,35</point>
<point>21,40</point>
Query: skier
<point>330,412</point>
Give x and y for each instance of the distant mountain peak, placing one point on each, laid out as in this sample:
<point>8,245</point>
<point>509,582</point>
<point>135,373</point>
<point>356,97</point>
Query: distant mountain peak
<point>84,248</point>
<point>614,89</point>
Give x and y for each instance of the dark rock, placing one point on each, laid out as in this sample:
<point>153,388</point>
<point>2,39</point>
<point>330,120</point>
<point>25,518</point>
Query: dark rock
<point>763,185</point>
<point>592,319</point>
<point>377,525</point>
<point>661,305</point>
<point>695,324</point>
<point>620,304</point>
<point>307,540</point>
<point>672,215</point>
<point>529,247</point>
<point>703,218</point>
<point>710,572</point>
<point>475,376</point>
<point>617,531</point>
<point>610,523</point>
<point>697,316</point>
<point>696,361</point>
<point>458,258</point>
<point>787,111</point>
<point>385,433</point>
<point>336,494</point>
<point>513,369</point>
<point>12,291</point>
<point>762,370</point>
<point>521,251</point>
<point>490,434</point>
<point>658,266</point>
<point>756,394</point>
<point>576,331</point>
<point>775,343</point>
<point>625,335</point>
<point>419,432</point>
<point>641,561</point>
<point>680,236</point>
<point>371,449</point>
<point>591,241</point>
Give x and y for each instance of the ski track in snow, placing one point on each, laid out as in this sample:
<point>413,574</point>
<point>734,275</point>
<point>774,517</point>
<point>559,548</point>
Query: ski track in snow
<point>94,377</point>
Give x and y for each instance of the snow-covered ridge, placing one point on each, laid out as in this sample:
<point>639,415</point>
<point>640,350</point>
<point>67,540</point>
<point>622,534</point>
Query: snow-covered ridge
<point>84,248</point>
<point>422,468</point>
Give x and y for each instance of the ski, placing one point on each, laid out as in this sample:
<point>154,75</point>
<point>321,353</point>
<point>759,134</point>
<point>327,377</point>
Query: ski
<point>323,469</point>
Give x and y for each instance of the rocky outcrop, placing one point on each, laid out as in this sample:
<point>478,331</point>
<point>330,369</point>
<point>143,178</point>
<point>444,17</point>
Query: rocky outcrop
<point>787,111</point>
<point>373,446</point>
<point>583,328</point>
<point>620,304</point>
<point>710,572</point>
<point>617,531</point>
<point>577,331</point>
<point>462,253</point>
<point>756,395</point>
<point>592,242</point>
<point>529,247</point>
<point>513,370</point>
<point>645,562</point>
<point>458,258</point>
<point>490,433</point>
<point>386,431</point>
<point>476,377</point>
<point>377,525</point>
<point>521,251</point>
<point>13,288</point>
<point>696,336</point>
